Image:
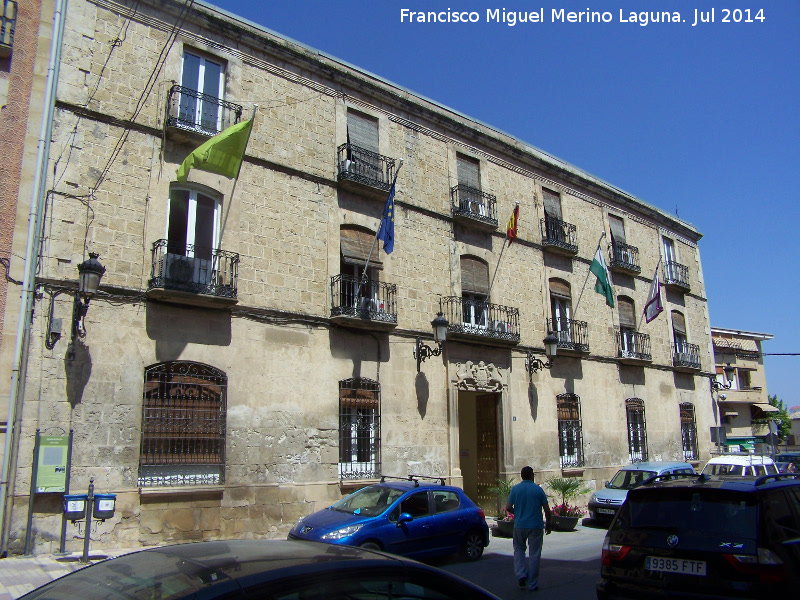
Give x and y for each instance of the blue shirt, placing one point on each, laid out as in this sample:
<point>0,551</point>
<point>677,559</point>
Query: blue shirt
<point>528,498</point>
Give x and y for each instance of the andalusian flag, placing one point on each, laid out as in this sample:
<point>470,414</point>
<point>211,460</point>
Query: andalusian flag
<point>222,154</point>
<point>511,229</point>
<point>603,284</point>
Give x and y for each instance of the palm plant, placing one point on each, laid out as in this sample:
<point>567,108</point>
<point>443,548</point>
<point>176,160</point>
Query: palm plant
<point>568,488</point>
<point>501,491</point>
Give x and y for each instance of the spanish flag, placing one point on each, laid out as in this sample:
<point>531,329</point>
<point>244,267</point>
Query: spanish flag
<point>511,230</point>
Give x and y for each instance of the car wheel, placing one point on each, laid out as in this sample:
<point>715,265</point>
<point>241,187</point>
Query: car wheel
<point>370,546</point>
<point>472,548</point>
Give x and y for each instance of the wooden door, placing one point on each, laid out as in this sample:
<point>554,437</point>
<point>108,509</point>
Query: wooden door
<point>487,452</point>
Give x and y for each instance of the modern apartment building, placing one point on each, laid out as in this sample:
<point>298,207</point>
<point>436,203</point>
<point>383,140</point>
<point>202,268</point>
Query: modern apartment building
<point>251,356</point>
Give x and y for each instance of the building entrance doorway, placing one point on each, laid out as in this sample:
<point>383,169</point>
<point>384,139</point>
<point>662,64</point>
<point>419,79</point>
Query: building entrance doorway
<point>479,446</point>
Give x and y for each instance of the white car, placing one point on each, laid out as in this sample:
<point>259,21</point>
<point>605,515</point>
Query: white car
<point>740,465</point>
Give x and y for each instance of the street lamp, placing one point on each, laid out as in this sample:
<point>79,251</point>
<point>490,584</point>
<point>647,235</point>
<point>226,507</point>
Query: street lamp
<point>90,272</point>
<point>534,364</point>
<point>422,351</point>
<point>716,386</point>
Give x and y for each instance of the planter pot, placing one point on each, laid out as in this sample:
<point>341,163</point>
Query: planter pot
<point>505,529</point>
<point>563,523</point>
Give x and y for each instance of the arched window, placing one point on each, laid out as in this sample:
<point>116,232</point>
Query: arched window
<point>474,292</point>
<point>359,428</point>
<point>688,431</point>
<point>183,425</point>
<point>637,430</point>
<point>570,431</point>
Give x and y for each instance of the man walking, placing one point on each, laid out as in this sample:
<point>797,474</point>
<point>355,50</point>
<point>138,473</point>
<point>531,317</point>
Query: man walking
<point>526,501</point>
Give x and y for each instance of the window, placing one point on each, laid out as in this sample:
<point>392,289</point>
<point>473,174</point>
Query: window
<point>688,431</point>
<point>445,501</point>
<point>183,425</point>
<point>561,310</point>
<point>468,171</point>
<point>8,21</point>
<point>617,226</point>
<point>627,326</point>
<point>637,430</point>
<point>474,291</point>
<point>416,505</point>
<point>363,160</point>
<point>192,230</point>
<point>201,110</point>
<point>359,429</point>
<point>356,243</point>
<point>362,131</point>
<point>570,434</point>
<point>743,379</point>
<point>552,204</point>
<point>679,332</point>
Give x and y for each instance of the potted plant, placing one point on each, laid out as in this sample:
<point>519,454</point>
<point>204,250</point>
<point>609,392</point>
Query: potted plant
<point>564,516</point>
<point>505,520</point>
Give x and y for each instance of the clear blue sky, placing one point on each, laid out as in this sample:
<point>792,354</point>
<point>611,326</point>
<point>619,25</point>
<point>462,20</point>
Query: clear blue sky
<point>701,121</point>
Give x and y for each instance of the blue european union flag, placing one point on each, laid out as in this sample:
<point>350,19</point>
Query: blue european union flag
<point>386,231</point>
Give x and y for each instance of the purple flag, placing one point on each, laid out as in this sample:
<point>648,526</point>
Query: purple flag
<point>654,307</point>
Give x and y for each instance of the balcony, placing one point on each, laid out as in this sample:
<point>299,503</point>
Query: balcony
<point>8,22</point>
<point>193,275</point>
<point>573,336</point>
<point>192,115</point>
<point>686,358</point>
<point>624,258</point>
<point>371,305</point>
<point>473,207</point>
<point>473,320</point>
<point>364,171</point>
<point>676,276</point>
<point>559,237</point>
<point>633,348</point>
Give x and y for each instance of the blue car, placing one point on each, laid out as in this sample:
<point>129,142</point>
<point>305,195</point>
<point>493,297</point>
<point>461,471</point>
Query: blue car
<point>401,516</point>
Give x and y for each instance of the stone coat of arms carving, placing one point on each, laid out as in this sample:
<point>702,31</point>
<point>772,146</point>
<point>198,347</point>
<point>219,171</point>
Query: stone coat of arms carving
<point>479,377</point>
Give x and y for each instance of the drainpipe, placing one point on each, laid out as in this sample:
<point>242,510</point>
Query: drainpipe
<point>21,347</point>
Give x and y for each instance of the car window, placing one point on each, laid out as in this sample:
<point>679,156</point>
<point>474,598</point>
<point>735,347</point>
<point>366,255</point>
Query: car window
<point>416,505</point>
<point>780,522</point>
<point>445,501</point>
<point>724,469</point>
<point>627,480</point>
<point>369,501</point>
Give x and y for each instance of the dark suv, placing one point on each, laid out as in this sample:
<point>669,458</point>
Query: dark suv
<point>703,538</point>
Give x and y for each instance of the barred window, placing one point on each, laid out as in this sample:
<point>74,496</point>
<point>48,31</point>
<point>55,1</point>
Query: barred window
<point>637,430</point>
<point>183,425</point>
<point>359,429</point>
<point>570,432</point>
<point>688,431</point>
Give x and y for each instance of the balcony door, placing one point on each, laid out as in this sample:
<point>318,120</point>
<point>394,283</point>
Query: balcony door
<point>474,290</point>
<point>670,272</point>
<point>561,307</point>
<point>204,76</point>
<point>192,231</point>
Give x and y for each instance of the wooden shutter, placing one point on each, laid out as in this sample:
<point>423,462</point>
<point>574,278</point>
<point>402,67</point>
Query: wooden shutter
<point>552,204</point>
<point>560,288</point>
<point>474,276</point>
<point>362,131</point>
<point>469,171</point>
<point>678,323</point>
<point>355,246</point>
<point>617,229</point>
<point>627,313</point>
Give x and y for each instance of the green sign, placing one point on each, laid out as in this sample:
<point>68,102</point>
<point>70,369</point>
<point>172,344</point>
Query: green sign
<point>52,468</point>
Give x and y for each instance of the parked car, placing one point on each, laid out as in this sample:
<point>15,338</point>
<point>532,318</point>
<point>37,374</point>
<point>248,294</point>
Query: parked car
<point>604,503</point>
<point>740,465</point>
<point>705,537</point>
<point>785,467</point>
<point>404,517</point>
<point>273,569</point>
<point>790,457</point>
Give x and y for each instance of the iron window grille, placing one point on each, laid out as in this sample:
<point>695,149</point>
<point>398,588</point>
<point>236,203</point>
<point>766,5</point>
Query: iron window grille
<point>686,355</point>
<point>688,432</point>
<point>637,430</point>
<point>359,429</point>
<point>183,425</point>
<point>571,334</point>
<point>473,315</point>
<point>372,300</point>
<point>194,269</point>
<point>561,234</point>
<point>676,274</point>
<point>632,344</point>
<point>570,431</point>
<point>365,166</point>
<point>474,204</point>
<point>624,256</point>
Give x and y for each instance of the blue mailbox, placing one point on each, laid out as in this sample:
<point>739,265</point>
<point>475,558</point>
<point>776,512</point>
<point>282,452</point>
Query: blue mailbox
<point>75,506</point>
<point>104,506</point>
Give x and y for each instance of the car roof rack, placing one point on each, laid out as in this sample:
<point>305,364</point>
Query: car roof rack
<point>776,476</point>
<point>414,478</point>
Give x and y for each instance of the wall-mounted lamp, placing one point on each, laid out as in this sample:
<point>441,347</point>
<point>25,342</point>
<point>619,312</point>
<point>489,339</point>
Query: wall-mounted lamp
<point>421,351</point>
<point>90,272</point>
<point>534,364</point>
<point>730,373</point>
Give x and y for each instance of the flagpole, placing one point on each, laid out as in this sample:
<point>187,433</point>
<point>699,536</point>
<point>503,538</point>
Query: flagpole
<point>363,279</point>
<point>499,258</point>
<point>236,179</point>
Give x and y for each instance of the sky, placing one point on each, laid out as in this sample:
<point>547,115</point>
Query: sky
<point>701,121</point>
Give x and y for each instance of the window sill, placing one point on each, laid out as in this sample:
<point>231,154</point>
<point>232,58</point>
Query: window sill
<point>205,490</point>
<point>572,472</point>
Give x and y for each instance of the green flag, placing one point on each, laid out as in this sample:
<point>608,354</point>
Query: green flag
<point>603,284</point>
<point>222,154</point>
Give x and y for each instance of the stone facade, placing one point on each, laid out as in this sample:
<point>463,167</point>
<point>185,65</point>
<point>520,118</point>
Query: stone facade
<point>471,414</point>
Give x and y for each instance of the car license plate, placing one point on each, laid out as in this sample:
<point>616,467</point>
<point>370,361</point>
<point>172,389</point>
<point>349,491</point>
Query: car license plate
<point>606,511</point>
<point>675,565</point>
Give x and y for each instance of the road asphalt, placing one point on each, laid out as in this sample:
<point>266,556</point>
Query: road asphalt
<point>494,572</point>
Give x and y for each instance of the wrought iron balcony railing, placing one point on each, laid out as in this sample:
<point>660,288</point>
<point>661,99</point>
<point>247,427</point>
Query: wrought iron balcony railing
<point>474,205</point>
<point>364,166</point>
<point>686,356</point>
<point>191,110</point>
<point>8,23</point>
<point>624,257</point>
<point>676,275</point>
<point>371,301</point>
<point>559,234</point>
<point>572,335</point>
<point>483,319</point>
<point>194,269</point>
<point>632,345</point>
